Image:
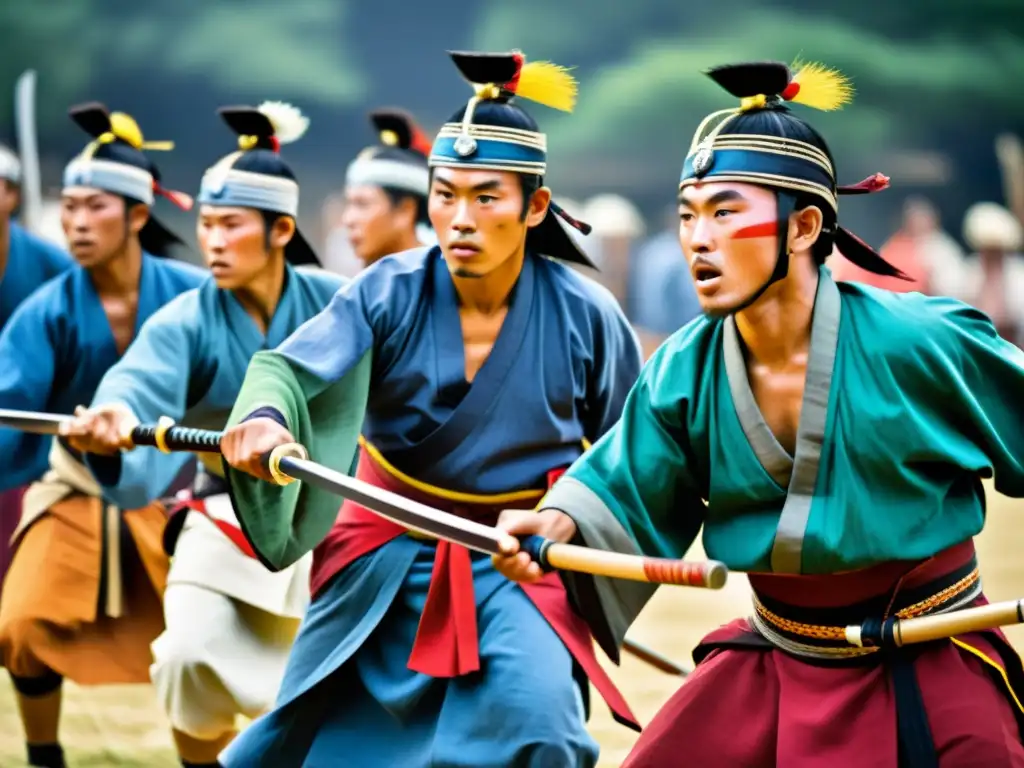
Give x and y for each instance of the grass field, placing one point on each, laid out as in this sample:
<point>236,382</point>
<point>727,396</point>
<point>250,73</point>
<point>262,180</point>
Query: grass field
<point>123,727</point>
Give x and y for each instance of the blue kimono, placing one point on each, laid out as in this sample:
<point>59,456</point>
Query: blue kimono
<point>556,377</point>
<point>188,363</point>
<point>57,346</point>
<point>31,261</point>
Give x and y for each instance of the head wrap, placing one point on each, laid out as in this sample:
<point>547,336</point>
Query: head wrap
<point>761,142</point>
<point>114,161</point>
<point>399,158</point>
<point>493,133</point>
<point>256,176</point>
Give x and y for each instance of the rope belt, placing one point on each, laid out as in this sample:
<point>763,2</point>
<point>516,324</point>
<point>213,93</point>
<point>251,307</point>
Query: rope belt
<point>795,630</point>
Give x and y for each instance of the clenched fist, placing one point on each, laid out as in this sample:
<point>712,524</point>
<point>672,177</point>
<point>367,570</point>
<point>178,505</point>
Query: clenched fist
<point>549,523</point>
<point>245,444</point>
<point>103,430</point>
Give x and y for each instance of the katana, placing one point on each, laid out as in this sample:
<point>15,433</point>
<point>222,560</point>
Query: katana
<point>922,629</point>
<point>288,463</point>
<point>28,148</point>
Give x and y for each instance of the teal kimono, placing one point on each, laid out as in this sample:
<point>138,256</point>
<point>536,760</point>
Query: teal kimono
<point>908,402</point>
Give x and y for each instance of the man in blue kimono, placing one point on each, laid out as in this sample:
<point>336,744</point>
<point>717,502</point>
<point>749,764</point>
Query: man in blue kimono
<point>26,262</point>
<point>82,597</point>
<point>230,621</point>
<point>483,367</point>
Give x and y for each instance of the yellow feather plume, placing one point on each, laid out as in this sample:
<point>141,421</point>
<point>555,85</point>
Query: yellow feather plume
<point>548,84</point>
<point>821,87</point>
<point>124,127</point>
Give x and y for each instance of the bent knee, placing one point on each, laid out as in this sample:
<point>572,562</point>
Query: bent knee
<point>20,639</point>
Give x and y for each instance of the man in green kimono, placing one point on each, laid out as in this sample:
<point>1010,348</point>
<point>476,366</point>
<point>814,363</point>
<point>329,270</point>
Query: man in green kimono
<point>830,439</point>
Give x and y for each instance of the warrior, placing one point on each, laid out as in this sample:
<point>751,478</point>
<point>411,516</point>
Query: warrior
<point>26,262</point>
<point>229,621</point>
<point>830,439</point>
<point>483,366</point>
<point>82,597</point>
<point>386,190</point>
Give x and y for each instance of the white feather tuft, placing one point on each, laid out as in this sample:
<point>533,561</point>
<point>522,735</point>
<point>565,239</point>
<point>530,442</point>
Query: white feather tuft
<point>288,121</point>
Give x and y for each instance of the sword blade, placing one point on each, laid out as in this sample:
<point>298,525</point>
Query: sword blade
<point>32,421</point>
<point>398,509</point>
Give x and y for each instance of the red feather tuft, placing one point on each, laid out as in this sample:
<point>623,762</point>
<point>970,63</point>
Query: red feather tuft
<point>275,144</point>
<point>180,199</point>
<point>875,183</point>
<point>790,91</point>
<point>514,82</point>
<point>419,141</point>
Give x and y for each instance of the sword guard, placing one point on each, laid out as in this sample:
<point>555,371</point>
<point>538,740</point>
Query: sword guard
<point>272,461</point>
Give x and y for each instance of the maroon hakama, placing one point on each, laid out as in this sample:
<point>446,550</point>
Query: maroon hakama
<point>10,514</point>
<point>751,705</point>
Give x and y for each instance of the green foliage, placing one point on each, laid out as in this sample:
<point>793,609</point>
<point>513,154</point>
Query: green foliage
<point>649,97</point>
<point>248,48</point>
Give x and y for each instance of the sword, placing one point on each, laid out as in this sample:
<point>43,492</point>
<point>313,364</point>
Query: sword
<point>31,183</point>
<point>290,462</point>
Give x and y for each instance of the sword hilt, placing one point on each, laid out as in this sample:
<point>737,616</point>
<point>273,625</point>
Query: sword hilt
<point>552,555</point>
<point>168,438</point>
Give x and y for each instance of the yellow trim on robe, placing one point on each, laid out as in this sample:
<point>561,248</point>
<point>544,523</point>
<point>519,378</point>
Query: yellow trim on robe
<point>456,496</point>
<point>992,663</point>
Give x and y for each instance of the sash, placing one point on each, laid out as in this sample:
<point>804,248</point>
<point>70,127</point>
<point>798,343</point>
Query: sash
<point>484,391</point>
<point>446,643</point>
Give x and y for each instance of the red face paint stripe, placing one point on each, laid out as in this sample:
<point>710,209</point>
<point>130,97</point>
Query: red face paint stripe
<point>765,229</point>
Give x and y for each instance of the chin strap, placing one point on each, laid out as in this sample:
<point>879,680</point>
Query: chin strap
<point>786,204</point>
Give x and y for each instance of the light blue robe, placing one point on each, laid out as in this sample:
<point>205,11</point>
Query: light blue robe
<point>188,363</point>
<point>56,347</point>
<point>557,375</point>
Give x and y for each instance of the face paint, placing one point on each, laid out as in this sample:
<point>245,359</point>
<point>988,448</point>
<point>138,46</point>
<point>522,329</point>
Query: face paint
<point>765,229</point>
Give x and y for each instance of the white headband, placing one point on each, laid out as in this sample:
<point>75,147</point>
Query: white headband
<point>389,173</point>
<point>223,185</point>
<point>110,176</point>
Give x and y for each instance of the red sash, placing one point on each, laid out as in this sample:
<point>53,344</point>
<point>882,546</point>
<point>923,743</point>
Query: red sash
<point>446,643</point>
<point>186,501</point>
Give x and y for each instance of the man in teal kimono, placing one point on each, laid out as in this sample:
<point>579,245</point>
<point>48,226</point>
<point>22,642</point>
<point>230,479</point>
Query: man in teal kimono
<point>830,440</point>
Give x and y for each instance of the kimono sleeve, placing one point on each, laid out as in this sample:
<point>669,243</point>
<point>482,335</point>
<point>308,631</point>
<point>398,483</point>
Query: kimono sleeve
<point>152,379</point>
<point>317,384</point>
<point>983,377</point>
<point>29,352</point>
<point>617,364</point>
<point>634,492</point>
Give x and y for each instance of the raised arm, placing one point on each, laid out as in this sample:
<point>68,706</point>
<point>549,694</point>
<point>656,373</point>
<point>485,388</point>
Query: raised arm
<point>151,380</point>
<point>315,386</point>
<point>980,376</point>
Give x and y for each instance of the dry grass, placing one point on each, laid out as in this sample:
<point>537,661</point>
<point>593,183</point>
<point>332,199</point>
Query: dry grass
<point>122,726</point>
